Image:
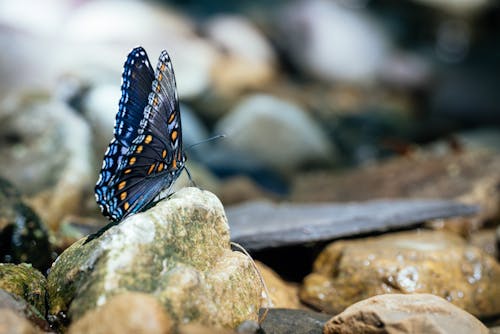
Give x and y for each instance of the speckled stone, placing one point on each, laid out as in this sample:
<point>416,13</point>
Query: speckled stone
<point>408,262</point>
<point>178,251</point>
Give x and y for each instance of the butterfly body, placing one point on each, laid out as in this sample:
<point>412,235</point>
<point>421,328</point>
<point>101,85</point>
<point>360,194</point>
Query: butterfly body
<point>145,156</point>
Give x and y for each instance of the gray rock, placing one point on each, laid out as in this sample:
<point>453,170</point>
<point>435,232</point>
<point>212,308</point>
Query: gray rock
<point>281,321</point>
<point>332,42</point>
<point>47,153</point>
<point>275,132</point>
<point>260,225</point>
<point>178,251</point>
<point>398,313</point>
<point>248,60</point>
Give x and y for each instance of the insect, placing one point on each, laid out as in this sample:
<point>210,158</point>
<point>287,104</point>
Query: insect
<point>145,156</point>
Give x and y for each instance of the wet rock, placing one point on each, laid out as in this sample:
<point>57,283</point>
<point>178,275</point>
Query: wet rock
<point>281,321</point>
<point>399,313</point>
<point>46,150</point>
<point>130,312</point>
<point>282,294</point>
<point>468,177</point>
<point>275,132</point>
<point>248,60</point>
<point>408,262</point>
<point>13,323</point>
<point>178,251</point>
<point>351,36</point>
<point>260,225</point>
<point>23,237</point>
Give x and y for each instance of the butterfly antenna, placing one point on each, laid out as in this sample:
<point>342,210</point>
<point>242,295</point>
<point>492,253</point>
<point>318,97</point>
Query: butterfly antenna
<point>205,141</point>
<point>264,286</point>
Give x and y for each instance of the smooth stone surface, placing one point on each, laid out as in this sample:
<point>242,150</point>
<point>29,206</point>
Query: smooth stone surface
<point>357,45</point>
<point>130,312</point>
<point>260,225</point>
<point>276,132</point>
<point>47,156</point>
<point>399,313</point>
<point>469,176</point>
<point>27,283</point>
<point>407,262</point>
<point>178,251</point>
<point>282,294</point>
<point>18,316</point>
<point>23,237</point>
<point>281,321</point>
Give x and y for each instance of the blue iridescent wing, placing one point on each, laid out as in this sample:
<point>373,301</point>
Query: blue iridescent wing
<point>135,172</point>
<point>136,85</point>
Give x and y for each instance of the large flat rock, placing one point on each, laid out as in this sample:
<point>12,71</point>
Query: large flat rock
<point>260,225</point>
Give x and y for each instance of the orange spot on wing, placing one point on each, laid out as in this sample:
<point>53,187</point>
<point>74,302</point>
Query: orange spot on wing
<point>132,161</point>
<point>160,76</point>
<point>126,206</point>
<point>148,139</point>
<point>127,171</point>
<point>160,166</point>
<point>155,101</point>
<point>151,168</point>
<point>122,185</point>
<point>164,154</point>
<point>173,136</point>
<point>174,164</point>
<point>171,118</point>
<point>139,149</point>
<point>162,67</point>
<point>123,195</point>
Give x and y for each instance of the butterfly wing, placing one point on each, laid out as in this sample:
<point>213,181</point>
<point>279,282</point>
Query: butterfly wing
<point>135,172</point>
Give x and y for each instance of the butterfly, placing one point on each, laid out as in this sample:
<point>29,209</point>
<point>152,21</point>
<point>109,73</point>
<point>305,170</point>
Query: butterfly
<point>145,156</point>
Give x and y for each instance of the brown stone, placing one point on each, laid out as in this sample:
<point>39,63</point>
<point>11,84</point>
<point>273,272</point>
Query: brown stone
<point>470,176</point>
<point>408,262</point>
<point>131,312</point>
<point>12,323</point>
<point>283,294</point>
<point>201,329</point>
<point>399,313</point>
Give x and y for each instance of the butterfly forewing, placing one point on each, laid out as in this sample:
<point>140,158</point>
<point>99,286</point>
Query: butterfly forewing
<point>145,157</point>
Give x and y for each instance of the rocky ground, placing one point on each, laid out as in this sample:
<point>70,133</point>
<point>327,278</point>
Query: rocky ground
<point>360,169</point>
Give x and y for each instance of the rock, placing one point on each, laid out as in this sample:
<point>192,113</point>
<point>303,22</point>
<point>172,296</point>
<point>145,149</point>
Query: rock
<point>485,240</point>
<point>468,177</point>
<point>283,294</point>
<point>177,251</point>
<point>248,61</point>
<point>408,262</point>
<point>13,323</point>
<point>281,321</point>
<point>25,282</point>
<point>23,293</point>
<point>200,329</point>
<point>130,312</point>
<point>306,26</point>
<point>275,132</point>
<point>261,225</point>
<point>400,313</point>
<point>460,8</point>
<point>46,153</point>
<point>238,189</point>
<point>22,235</point>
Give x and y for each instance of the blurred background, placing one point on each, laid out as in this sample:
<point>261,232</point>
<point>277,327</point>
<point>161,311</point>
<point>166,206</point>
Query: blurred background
<point>303,90</point>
